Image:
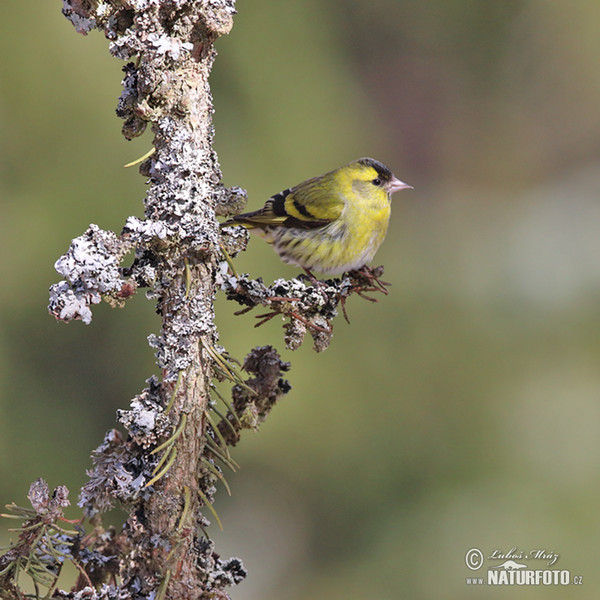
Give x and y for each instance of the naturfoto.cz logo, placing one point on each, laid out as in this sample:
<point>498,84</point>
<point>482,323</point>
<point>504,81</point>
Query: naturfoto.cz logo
<point>513,570</point>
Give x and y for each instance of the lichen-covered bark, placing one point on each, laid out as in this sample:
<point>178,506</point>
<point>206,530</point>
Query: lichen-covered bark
<point>177,256</point>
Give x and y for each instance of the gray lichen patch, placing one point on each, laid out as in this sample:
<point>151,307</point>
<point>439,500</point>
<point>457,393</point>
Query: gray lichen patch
<point>119,473</point>
<point>146,420</point>
<point>234,240</point>
<point>90,269</point>
<point>230,201</point>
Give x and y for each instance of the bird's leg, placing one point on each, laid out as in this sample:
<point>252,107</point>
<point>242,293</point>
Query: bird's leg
<point>312,278</point>
<point>318,284</point>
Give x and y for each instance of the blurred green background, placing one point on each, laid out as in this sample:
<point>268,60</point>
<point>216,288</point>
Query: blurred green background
<point>461,411</point>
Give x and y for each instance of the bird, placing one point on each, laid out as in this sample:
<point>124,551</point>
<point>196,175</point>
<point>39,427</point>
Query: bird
<point>331,224</point>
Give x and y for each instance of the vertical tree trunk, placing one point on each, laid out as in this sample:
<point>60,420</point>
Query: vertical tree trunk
<point>177,249</point>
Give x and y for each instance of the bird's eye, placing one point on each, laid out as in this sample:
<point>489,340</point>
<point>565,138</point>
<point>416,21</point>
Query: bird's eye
<point>376,181</point>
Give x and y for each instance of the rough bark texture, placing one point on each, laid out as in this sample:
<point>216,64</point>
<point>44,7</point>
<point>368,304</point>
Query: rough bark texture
<point>163,551</point>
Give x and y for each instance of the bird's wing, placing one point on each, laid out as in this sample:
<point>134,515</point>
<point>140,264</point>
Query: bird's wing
<point>309,205</point>
<point>315,201</point>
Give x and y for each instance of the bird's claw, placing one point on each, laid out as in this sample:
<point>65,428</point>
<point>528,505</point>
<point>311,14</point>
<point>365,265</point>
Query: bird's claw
<point>368,280</point>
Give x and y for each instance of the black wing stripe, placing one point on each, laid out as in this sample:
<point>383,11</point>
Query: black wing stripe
<point>302,209</point>
<point>278,203</point>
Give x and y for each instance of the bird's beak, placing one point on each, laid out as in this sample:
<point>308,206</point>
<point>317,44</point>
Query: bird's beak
<point>395,185</point>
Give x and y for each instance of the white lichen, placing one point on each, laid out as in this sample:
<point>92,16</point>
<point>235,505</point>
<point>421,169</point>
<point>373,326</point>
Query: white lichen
<point>90,268</point>
<point>81,23</point>
<point>165,44</point>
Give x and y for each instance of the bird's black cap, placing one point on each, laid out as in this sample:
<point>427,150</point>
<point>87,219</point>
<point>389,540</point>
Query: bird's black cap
<point>381,169</point>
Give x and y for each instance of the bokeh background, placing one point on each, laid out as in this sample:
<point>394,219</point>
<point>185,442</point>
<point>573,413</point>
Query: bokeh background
<point>463,410</point>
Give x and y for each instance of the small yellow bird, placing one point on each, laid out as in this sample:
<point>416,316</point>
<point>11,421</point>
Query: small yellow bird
<point>332,223</point>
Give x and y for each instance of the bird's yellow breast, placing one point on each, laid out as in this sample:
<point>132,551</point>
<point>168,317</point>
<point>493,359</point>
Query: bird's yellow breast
<point>367,219</point>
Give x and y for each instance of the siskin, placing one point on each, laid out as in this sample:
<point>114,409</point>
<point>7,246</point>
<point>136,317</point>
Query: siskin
<point>332,223</point>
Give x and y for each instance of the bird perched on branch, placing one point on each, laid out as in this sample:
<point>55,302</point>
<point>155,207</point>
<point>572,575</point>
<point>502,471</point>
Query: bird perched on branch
<point>332,223</point>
